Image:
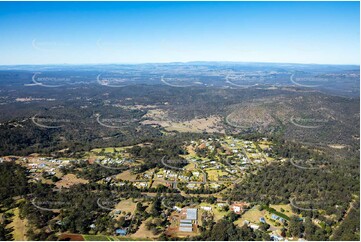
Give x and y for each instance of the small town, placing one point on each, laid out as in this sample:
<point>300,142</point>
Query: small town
<point>211,166</point>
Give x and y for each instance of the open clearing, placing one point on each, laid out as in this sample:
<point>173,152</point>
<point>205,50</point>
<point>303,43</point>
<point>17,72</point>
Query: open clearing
<point>286,207</point>
<point>213,174</point>
<point>107,149</point>
<point>126,206</point>
<point>126,175</point>
<point>19,226</point>
<point>70,180</point>
<point>143,232</point>
<point>210,125</point>
<point>157,183</point>
<point>88,237</point>
<point>252,215</point>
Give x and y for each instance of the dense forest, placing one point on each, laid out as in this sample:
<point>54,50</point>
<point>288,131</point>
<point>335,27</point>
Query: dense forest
<point>77,126</point>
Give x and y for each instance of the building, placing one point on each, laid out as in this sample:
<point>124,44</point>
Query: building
<point>221,205</point>
<point>186,225</point>
<point>275,237</point>
<point>178,209</point>
<point>195,173</point>
<point>206,208</point>
<point>185,229</point>
<point>238,207</point>
<point>191,186</point>
<point>275,217</point>
<point>121,232</point>
<point>33,165</point>
<point>192,213</point>
<point>254,226</point>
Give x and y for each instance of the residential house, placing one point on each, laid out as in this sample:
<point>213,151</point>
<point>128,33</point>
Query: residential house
<point>178,209</point>
<point>276,217</point>
<point>206,208</point>
<point>122,232</point>
<point>254,226</point>
<point>238,207</point>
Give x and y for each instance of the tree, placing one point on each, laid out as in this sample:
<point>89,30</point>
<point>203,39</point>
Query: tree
<point>295,227</point>
<point>156,208</point>
<point>310,229</point>
<point>265,226</point>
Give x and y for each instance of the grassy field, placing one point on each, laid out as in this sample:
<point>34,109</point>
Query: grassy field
<point>143,232</point>
<point>286,207</point>
<point>191,151</point>
<point>190,167</point>
<point>280,214</point>
<point>218,214</point>
<point>18,225</point>
<point>126,206</point>
<point>155,184</point>
<point>126,175</point>
<point>252,215</point>
<point>95,237</point>
<point>100,238</point>
<point>265,144</point>
<point>88,237</point>
<point>108,149</point>
<point>213,174</point>
<point>269,159</point>
<point>69,180</point>
<point>210,125</point>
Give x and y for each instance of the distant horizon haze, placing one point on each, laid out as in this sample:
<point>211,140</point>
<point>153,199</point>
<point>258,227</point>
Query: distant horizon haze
<point>178,62</point>
<point>56,33</point>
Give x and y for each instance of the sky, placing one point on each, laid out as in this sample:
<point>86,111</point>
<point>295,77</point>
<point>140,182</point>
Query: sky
<point>144,32</point>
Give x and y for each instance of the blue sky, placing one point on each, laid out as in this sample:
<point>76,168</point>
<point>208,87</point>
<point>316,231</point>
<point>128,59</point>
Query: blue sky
<point>138,32</point>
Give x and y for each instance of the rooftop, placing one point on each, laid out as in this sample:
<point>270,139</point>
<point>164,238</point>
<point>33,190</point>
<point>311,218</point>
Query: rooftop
<point>192,213</point>
<point>185,229</point>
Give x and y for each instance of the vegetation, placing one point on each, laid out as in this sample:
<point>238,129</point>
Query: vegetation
<point>316,171</point>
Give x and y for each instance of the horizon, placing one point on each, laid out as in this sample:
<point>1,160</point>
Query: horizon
<point>101,33</point>
<point>179,62</point>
